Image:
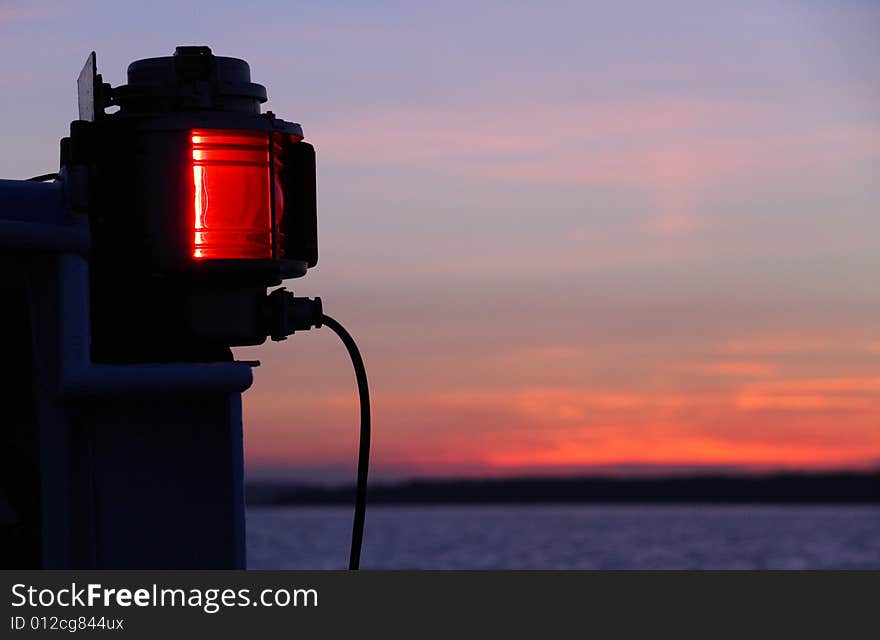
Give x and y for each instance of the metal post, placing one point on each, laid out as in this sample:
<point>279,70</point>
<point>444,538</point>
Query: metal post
<point>140,466</point>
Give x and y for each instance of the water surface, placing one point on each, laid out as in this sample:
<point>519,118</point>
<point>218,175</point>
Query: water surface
<point>570,537</point>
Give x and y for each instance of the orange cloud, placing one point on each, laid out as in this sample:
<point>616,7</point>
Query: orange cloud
<point>845,394</point>
<point>680,451</point>
<point>564,427</point>
<point>827,385</point>
<point>801,402</point>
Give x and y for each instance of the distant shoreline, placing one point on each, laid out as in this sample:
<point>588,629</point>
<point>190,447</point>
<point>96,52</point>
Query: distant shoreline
<point>780,488</point>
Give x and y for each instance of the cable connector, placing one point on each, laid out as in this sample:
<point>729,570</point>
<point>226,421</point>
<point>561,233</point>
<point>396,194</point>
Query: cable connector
<point>288,314</point>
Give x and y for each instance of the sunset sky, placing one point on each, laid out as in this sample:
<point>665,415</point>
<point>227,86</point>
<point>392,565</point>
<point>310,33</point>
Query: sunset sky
<point>569,237</point>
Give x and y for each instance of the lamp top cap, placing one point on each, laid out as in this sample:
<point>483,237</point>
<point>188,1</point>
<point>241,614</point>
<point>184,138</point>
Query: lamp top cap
<point>191,79</point>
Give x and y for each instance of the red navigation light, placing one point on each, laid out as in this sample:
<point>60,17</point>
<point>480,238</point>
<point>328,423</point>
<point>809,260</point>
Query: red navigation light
<point>232,204</point>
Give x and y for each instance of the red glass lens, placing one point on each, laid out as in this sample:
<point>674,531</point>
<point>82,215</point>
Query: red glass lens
<point>231,197</point>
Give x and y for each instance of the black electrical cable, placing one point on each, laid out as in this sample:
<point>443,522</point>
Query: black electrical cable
<point>360,503</point>
<point>45,177</point>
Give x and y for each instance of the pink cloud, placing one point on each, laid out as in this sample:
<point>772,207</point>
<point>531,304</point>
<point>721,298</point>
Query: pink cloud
<point>730,368</point>
<point>28,12</point>
<point>780,344</point>
<point>664,144</point>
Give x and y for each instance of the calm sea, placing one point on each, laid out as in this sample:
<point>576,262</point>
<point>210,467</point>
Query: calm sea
<point>570,537</point>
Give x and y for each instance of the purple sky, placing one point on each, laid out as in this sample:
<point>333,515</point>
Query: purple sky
<point>568,236</point>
